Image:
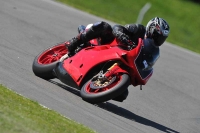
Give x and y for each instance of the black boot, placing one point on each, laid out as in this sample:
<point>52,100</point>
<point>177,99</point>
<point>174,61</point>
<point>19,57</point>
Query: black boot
<point>73,44</point>
<point>82,38</point>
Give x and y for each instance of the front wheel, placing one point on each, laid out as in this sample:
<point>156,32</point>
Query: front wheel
<point>45,62</point>
<point>104,91</point>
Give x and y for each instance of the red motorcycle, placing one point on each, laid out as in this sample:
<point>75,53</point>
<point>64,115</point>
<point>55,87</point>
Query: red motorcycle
<point>100,72</point>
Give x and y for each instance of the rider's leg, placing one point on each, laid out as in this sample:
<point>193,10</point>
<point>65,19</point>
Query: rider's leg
<point>95,31</point>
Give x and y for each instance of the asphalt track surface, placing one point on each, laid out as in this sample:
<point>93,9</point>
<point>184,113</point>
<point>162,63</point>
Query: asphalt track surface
<point>170,102</point>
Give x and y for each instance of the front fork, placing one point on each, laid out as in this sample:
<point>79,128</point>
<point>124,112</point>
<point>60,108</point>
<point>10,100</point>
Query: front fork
<point>104,79</point>
<point>113,70</point>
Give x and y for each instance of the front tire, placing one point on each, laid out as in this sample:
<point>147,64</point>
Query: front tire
<point>45,62</point>
<point>106,93</point>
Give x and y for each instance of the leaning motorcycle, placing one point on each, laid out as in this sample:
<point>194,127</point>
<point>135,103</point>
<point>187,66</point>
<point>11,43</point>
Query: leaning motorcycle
<point>100,72</point>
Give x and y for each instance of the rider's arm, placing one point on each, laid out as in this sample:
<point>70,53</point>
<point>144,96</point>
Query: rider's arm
<point>132,30</point>
<point>121,33</point>
<point>119,29</point>
<point>135,31</point>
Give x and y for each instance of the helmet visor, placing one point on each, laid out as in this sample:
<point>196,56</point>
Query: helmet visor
<point>159,39</point>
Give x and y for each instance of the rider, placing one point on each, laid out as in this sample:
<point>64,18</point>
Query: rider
<point>154,35</point>
<point>157,30</point>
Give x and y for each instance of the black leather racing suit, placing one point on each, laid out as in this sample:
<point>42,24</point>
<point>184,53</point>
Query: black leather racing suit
<point>106,33</point>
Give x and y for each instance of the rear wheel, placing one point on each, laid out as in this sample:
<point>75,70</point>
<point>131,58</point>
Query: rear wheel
<point>45,62</point>
<point>94,91</point>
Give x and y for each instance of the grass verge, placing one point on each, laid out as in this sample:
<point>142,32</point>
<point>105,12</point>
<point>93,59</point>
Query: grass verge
<point>182,16</point>
<point>21,115</point>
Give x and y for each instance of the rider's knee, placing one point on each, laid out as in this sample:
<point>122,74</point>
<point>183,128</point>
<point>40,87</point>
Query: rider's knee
<point>101,26</point>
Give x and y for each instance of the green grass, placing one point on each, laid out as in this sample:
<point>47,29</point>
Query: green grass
<point>182,15</point>
<point>21,115</point>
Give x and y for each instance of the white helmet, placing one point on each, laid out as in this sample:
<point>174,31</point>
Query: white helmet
<point>157,29</point>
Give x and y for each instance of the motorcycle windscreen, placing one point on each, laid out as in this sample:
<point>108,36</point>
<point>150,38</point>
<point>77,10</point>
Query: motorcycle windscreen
<point>147,58</point>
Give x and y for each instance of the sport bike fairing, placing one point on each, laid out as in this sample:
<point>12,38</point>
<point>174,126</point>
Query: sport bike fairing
<point>80,64</point>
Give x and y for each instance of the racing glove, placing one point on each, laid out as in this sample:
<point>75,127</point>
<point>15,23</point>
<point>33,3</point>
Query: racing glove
<point>124,38</point>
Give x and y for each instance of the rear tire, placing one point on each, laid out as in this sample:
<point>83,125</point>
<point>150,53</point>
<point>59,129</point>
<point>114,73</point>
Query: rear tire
<point>46,61</point>
<point>109,92</point>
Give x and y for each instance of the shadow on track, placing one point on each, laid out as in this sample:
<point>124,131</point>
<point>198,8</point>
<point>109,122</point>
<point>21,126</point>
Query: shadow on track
<point>71,90</point>
<point>131,116</point>
<point>120,111</point>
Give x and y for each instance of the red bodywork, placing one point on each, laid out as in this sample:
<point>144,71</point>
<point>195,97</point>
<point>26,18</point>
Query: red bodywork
<point>80,64</point>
